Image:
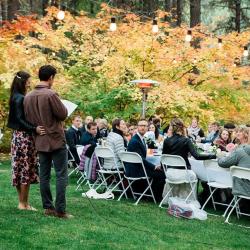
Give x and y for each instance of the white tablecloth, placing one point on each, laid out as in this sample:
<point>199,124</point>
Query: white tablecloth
<point>221,175</point>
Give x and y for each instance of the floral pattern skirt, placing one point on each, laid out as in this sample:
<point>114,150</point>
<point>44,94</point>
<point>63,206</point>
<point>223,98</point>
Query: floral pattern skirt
<point>23,159</point>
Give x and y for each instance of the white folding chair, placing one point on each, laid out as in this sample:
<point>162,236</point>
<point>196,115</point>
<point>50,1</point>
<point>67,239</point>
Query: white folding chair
<point>241,173</point>
<point>213,185</point>
<point>72,163</point>
<point>131,157</point>
<point>177,162</point>
<point>108,172</point>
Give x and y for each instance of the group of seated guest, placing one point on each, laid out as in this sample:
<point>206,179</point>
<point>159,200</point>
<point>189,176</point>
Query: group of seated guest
<point>239,157</point>
<point>178,140</point>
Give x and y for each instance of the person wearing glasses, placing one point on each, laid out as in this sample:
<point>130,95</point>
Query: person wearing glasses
<point>138,145</point>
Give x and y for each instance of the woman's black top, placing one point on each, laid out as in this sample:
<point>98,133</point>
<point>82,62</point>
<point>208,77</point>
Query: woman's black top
<point>16,119</point>
<point>182,146</point>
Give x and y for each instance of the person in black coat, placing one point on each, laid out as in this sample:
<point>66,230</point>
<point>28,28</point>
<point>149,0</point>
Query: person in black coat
<point>180,144</point>
<point>138,145</point>
<point>73,136</point>
<point>89,138</point>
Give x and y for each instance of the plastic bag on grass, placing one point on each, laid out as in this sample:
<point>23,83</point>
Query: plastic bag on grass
<point>189,210</point>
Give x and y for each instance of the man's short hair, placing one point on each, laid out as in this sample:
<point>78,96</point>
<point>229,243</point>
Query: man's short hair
<point>229,125</point>
<point>216,124</point>
<point>91,124</point>
<point>76,116</point>
<point>142,120</point>
<point>46,71</point>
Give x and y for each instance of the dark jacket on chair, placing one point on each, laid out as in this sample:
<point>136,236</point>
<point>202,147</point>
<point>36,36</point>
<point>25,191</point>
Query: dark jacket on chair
<point>88,139</point>
<point>73,138</point>
<point>135,170</point>
<point>182,146</point>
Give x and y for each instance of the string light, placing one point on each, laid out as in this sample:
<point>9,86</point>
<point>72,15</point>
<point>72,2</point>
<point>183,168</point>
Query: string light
<point>112,26</point>
<point>245,52</point>
<point>188,36</point>
<point>155,27</point>
<point>220,43</point>
<point>27,51</point>
<point>60,15</point>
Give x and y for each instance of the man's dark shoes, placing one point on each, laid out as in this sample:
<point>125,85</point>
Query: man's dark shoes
<point>64,215</point>
<point>50,212</point>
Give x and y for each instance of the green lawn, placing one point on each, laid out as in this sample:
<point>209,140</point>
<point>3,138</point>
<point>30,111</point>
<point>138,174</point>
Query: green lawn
<point>107,225</point>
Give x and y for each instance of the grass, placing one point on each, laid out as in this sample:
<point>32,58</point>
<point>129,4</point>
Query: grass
<point>107,225</point>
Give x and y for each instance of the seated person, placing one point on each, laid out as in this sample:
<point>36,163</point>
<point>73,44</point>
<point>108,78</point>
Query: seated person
<point>223,140</point>
<point>138,145</point>
<point>194,131</point>
<point>239,157</point>
<point>180,144</point>
<point>103,128</point>
<point>115,141</point>
<point>212,135</point>
<point>88,119</point>
<point>89,138</point>
<point>73,136</point>
<point>157,137</point>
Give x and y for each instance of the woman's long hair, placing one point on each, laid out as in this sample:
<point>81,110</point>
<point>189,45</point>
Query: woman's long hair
<point>19,84</point>
<point>178,127</point>
<point>116,122</point>
<point>157,133</point>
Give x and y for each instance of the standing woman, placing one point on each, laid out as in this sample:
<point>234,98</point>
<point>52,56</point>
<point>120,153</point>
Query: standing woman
<point>23,154</point>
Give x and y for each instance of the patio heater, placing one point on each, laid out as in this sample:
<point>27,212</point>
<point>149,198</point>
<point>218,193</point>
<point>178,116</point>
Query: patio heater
<point>145,85</point>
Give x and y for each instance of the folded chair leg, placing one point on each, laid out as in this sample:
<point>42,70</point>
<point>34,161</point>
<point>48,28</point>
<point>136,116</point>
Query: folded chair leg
<point>229,205</point>
<point>170,190</point>
<point>234,206</point>
<point>129,186</point>
<point>150,187</point>
<point>136,203</point>
<point>209,197</point>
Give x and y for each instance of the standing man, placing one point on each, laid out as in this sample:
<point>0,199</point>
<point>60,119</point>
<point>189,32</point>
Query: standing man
<point>43,106</point>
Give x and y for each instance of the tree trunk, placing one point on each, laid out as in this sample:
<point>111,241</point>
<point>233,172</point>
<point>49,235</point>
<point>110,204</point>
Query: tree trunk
<point>168,5</point>
<point>45,5</point>
<point>13,8</point>
<point>149,7</point>
<point>179,12</point>
<point>195,12</point>
<point>36,6</point>
<point>1,14</point>
<point>4,5</point>
<point>237,15</point>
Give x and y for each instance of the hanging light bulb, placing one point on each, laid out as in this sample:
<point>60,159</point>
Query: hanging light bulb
<point>112,26</point>
<point>194,60</point>
<point>155,28</point>
<point>174,61</point>
<point>60,15</point>
<point>245,53</point>
<point>188,36</point>
<point>220,43</point>
<point>27,51</point>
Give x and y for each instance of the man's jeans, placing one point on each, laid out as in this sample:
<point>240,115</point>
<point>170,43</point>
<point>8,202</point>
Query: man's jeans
<point>60,163</point>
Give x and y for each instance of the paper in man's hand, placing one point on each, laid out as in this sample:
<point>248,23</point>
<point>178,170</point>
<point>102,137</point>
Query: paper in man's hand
<point>70,106</point>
